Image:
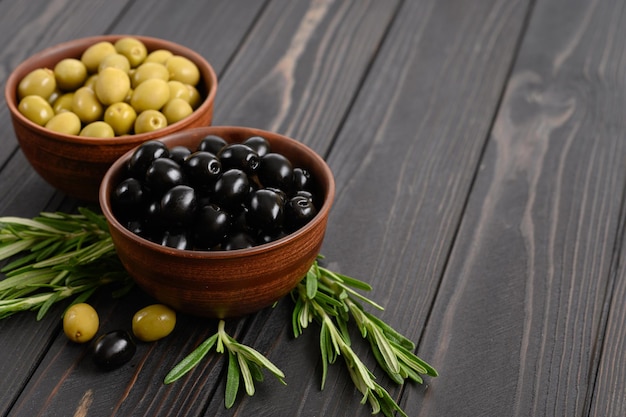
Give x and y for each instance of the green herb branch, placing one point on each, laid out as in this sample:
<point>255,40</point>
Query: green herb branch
<point>331,299</point>
<point>244,363</point>
<point>56,256</point>
<point>62,255</point>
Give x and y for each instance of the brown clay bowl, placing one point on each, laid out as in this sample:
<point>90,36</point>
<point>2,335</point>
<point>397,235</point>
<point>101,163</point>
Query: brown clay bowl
<point>73,164</point>
<point>222,284</point>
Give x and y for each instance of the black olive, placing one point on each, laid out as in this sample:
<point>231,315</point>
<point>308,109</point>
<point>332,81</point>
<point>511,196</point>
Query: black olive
<point>179,153</point>
<point>212,144</point>
<point>298,212</point>
<point>301,180</point>
<point>178,205</point>
<point>239,156</point>
<point>232,188</point>
<point>259,144</point>
<point>143,156</point>
<point>238,240</point>
<point>265,210</point>
<point>275,171</point>
<point>128,197</point>
<point>176,238</point>
<point>211,226</point>
<point>162,175</point>
<point>202,169</point>
<point>113,349</point>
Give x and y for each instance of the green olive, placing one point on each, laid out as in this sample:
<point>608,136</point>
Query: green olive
<point>133,49</point>
<point>149,120</point>
<point>150,70</point>
<point>112,85</point>
<point>116,61</point>
<point>153,322</point>
<point>63,103</point>
<point>54,96</point>
<point>176,109</point>
<point>94,54</point>
<point>70,74</point>
<point>86,105</point>
<point>194,96</point>
<point>121,117</point>
<point>183,69</point>
<point>64,122</point>
<point>179,90</point>
<point>80,322</point>
<point>151,94</point>
<point>36,109</point>
<point>39,82</point>
<point>159,56</point>
<point>98,129</point>
<point>91,82</point>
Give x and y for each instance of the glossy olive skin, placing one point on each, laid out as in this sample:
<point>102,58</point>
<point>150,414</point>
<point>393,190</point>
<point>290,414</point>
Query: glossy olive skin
<point>143,157</point>
<point>178,205</point>
<point>128,197</point>
<point>239,156</point>
<point>260,145</point>
<point>113,349</point>
<point>153,322</point>
<point>80,323</point>
<point>299,210</point>
<point>211,226</point>
<point>232,188</point>
<point>212,144</point>
<point>202,169</point>
<point>265,210</point>
<point>276,171</point>
<point>162,175</point>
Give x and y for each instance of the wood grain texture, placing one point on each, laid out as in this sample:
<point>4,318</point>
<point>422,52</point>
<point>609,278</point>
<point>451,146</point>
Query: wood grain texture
<point>403,171</point>
<point>521,306</point>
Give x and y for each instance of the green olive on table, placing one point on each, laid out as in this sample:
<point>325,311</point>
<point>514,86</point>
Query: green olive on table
<point>153,322</point>
<point>36,109</point>
<point>40,82</point>
<point>80,322</point>
<point>70,74</point>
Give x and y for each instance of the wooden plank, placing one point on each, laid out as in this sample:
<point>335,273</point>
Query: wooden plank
<point>524,329</point>
<point>404,161</point>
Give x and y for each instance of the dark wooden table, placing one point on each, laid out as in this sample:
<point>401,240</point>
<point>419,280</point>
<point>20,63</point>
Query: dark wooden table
<point>478,149</point>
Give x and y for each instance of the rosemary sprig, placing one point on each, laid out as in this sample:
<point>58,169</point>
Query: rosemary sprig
<point>244,363</point>
<point>58,255</point>
<point>331,299</point>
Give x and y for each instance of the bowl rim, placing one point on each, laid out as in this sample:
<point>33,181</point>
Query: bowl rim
<point>322,213</point>
<point>10,90</point>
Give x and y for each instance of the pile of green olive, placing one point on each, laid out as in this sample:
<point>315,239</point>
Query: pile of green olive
<point>113,89</point>
<point>115,348</point>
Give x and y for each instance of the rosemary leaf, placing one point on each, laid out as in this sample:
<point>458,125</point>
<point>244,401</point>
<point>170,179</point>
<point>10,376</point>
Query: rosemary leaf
<point>232,381</point>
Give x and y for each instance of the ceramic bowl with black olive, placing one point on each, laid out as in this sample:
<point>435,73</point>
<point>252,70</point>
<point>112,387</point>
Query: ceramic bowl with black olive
<point>218,221</point>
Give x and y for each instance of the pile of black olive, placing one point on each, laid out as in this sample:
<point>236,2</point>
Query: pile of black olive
<point>219,196</point>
